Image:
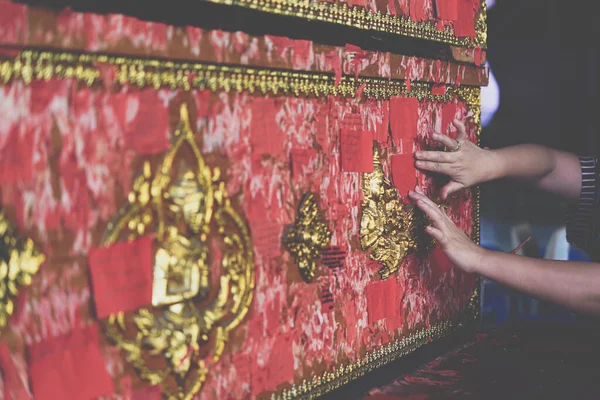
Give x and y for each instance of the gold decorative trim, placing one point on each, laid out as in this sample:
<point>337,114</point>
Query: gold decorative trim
<point>307,236</point>
<point>34,65</point>
<point>328,381</point>
<point>185,206</point>
<point>359,17</point>
<point>20,260</point>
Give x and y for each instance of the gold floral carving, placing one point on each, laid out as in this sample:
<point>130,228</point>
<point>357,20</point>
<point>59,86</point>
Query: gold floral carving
<point>185,205</point>
<point>389,228</point>
<point>356,17</point>
<point>19,262</point>
<point>307,236</point>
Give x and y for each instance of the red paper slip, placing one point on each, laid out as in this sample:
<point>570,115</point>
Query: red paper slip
<point>381,300</point>
<point>418,11</point>
<point>448,115</point>
<point>148,133</point>
<point>404,173</point>
<point>69,367</point>
<point>447,9</point>
<point>356,151</point>
<point>404,116</point>
<point>438,89</point>
<point>465,22</point>
<point>122,276</point>
<point>265,135</point>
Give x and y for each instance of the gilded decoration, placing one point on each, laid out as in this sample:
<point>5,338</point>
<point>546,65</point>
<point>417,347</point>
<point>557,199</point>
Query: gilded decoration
<point>361,18</point>
<point>307,236</point>
<point>389,228</point>
<point>472,96</point>
<point>185,205</point>
<point>20,260</point>
<point>32,65</point>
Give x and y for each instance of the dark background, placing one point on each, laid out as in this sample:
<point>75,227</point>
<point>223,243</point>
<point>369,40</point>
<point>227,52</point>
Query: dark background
<point>544,54</point>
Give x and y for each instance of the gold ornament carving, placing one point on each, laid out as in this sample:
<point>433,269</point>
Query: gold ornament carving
<point>185,205</point>
<point>389,228</point>
<point>20,260</point>
<point>307,236</point>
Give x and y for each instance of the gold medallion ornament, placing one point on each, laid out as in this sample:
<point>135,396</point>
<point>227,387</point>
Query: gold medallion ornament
<point>19,262</point>
<point>307,237</point>
<point>390,228</point>
<point>203,272</point>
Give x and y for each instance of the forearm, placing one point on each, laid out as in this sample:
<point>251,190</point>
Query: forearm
<point>550,170</point>
<point>575,285</point>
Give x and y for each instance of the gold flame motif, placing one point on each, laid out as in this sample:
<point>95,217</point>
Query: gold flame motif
<point>185,205</point>
<point>19,262</point>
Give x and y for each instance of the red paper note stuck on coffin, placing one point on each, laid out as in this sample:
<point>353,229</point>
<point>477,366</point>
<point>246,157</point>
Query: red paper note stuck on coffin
<point>122,276</point>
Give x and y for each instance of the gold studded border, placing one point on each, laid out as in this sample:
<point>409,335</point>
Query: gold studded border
<point>329,381</point>
<point>359,17</point>
<point>88,69</point>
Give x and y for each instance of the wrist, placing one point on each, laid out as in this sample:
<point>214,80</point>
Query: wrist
<point>480,260</point>
<point>494,165</point>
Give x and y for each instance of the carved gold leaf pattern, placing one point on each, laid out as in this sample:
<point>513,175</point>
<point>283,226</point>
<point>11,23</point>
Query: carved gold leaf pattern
<point>20,260</point>
<point>307,236</point>
<point>186,206</point>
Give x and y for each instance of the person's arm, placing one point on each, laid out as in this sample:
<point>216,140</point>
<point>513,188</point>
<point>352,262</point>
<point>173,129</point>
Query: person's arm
<point>575,285</point>
<point>572,284</point>
<point>551,170</point>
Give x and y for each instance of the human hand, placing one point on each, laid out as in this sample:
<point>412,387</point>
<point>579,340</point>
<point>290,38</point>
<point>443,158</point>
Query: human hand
<point>466,166</point>
<point>455,244</point>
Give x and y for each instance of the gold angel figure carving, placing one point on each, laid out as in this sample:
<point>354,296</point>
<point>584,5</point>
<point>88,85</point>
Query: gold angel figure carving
<point>390,228</point>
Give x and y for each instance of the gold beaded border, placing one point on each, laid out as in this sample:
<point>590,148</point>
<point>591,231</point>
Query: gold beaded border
<point>320,385</point>
<point>32,65</point>
<point>359,17</point>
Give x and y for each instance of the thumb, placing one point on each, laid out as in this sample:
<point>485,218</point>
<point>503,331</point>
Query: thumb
<point>450,188</point>
<point>461,132</point>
